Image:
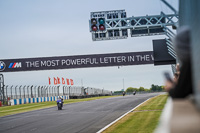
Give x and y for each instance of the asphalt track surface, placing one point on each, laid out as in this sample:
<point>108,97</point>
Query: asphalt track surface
<point>83,117</point>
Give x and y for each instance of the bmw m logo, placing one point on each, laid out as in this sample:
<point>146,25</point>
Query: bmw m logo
<point>15,65</point>
<point>2,65</point>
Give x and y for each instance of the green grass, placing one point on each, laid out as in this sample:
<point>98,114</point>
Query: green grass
<point>155,103</point>
<point>144,119</point>
<point>9,110</point>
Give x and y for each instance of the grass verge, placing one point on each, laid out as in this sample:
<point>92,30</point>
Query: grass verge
<point>9,110</point>
<point>144,119</point>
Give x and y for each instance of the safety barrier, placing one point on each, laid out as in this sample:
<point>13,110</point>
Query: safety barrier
<point>35,100</point>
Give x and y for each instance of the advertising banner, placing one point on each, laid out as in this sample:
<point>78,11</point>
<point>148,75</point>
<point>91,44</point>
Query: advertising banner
<point>78,61</point>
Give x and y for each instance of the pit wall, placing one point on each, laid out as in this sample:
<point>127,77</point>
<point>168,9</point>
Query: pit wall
<point>35,100</point>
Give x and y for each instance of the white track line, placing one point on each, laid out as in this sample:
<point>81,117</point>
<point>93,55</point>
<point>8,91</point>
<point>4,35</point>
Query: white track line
<point>120,117</point>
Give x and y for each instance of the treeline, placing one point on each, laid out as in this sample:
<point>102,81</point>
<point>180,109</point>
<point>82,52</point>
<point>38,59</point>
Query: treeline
<point>153,88</point>
<point>157,88</point>
<point>131,89</point>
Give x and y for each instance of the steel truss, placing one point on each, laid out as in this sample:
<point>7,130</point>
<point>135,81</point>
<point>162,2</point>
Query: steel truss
<point>141,22</point>
<point>139,26</point>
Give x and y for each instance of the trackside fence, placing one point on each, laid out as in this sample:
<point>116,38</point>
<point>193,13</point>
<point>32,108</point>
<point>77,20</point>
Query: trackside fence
<point>22,94</point>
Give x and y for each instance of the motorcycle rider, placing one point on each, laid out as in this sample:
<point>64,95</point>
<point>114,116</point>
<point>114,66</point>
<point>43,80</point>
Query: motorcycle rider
<point>60,99</point>
<point>124,93</point>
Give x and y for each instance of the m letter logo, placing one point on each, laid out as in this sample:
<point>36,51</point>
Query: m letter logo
<point>15,65</point>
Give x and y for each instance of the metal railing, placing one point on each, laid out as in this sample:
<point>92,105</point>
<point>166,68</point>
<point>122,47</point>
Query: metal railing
<point>31,91</point>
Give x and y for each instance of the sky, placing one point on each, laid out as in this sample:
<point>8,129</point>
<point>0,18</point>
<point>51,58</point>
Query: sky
<point>48,28</point>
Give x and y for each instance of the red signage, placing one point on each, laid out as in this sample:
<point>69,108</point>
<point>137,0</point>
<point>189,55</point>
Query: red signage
<point>59,81</point>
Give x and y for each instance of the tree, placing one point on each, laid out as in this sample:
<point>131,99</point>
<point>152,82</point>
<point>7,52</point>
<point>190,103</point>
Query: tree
<point>131,89</point>
<point>141,89</point>
<point>156,88</point>
<point>152,87</point>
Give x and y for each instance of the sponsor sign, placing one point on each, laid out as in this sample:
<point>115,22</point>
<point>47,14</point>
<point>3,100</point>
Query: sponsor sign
<point>78,61</point>
<point>2,66</point>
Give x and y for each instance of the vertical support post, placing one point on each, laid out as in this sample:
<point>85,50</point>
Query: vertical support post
<point>24,90</point>
<point>2,87</point>
<point>11,92</point>
<point>32,91</point>
<point>41,94</point>
<point>16,92</point>
<point>20,91</point>
<point>190,16</point>
<point>38,91</point>
<point>47,91</point>
<point>7,92</point>
<point>51,89</point>
<point>35,91</point>
<point>28,90</point>
<point>63,90</point>
<point>58,90</point>
<point>1,91</point>
<point>3,94</point>
<point>195,21</point>
<point>69,90</point>
<point>54,90</point>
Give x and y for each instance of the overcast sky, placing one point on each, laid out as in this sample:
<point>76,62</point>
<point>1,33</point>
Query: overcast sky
<point>47,28</point>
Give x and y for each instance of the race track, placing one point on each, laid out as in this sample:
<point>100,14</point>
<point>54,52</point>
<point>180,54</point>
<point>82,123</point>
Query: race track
<point>83,117</point>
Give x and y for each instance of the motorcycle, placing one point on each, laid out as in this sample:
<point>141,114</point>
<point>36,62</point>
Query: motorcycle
<point>59,104</point>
